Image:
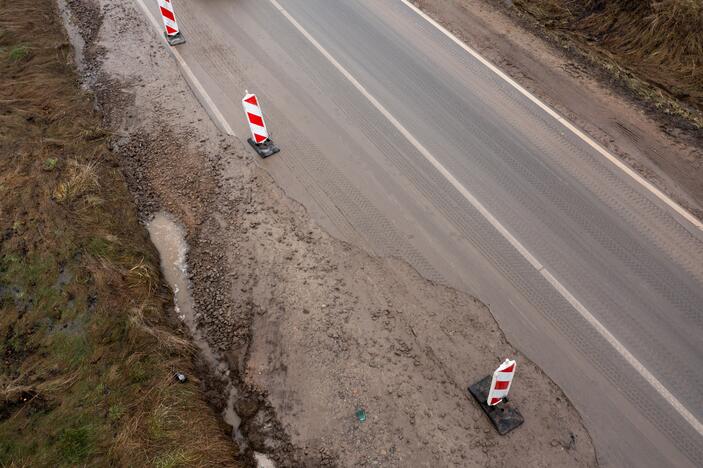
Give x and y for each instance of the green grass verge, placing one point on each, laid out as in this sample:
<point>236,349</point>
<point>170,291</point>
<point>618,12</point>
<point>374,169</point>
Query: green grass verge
<point>86,353</point>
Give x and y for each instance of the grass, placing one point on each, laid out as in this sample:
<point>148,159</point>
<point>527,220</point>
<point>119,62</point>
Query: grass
<point>87,353</point>
<point>116,412</point>
<point>172,460</point>
<point>76,444</point>
<point>81,179</point>
<point>50,164</point>
<point>654,47</point>
<point>19,52</point>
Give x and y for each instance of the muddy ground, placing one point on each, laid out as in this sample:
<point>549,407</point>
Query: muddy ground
<point>311,328</point>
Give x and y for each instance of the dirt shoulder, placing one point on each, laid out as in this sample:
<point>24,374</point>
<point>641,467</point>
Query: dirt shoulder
<point>312,328</point>
<point>87,352</point>
<point>663,147</point>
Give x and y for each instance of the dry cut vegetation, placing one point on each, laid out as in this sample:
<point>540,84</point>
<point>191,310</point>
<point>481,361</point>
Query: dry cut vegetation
<point>657,42</point>
<point>86,354</point>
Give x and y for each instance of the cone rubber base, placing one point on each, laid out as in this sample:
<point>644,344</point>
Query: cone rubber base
<point>504,417</point>
<point>265,149</point>
<point>175,39</point>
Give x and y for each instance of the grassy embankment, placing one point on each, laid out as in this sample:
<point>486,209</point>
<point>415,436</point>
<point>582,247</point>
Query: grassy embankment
<point>654,47</point>
<point>86,355</point>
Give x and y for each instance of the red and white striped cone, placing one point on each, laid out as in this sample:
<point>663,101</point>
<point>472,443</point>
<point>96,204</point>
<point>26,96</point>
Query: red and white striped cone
<point>255,117</point>
<point>260,139</point>
<point>491,392</point>
<point>172,33</point>
<point>500,384</point>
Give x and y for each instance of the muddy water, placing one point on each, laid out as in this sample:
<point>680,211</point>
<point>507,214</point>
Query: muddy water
<point>169,239</point>
<point>262,461</point>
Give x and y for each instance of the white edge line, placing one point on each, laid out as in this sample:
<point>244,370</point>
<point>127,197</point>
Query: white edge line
<point>622,166</point>
<point>190,76</point>
<point>614,342</point>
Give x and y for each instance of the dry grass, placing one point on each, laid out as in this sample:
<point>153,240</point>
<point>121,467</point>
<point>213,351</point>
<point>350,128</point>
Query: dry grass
<point>81,179</point>
<point>643,42</point>
<point>86,353</point>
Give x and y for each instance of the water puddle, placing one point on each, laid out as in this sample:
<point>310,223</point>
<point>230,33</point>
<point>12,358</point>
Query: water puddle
<point>169,239</point>
<point>262,461</point>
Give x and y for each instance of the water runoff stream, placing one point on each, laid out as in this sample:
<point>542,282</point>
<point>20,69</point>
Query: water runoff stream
<point>169,239</point>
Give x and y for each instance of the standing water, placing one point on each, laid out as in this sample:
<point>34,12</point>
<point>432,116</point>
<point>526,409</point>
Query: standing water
<point>262,461</point>
<point>169,239</point>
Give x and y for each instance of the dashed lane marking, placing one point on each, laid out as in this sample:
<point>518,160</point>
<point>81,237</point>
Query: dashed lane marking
<point>619,164</point>
<point>575,303</point>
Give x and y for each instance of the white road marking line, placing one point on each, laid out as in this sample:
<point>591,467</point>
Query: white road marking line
<point>190,77</point>
<point>580,308</point>
<point>622,166</point>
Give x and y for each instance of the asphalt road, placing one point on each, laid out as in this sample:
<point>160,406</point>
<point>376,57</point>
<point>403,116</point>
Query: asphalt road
<point>397,139</point>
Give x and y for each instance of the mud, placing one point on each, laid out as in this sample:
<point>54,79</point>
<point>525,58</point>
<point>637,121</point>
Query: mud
<point>311,328</point>
<point>169,239</point>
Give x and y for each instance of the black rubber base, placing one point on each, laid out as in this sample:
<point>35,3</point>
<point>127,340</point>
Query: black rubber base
<point>175,39</point>
<point>504,417</point>
<point>264,149</point>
